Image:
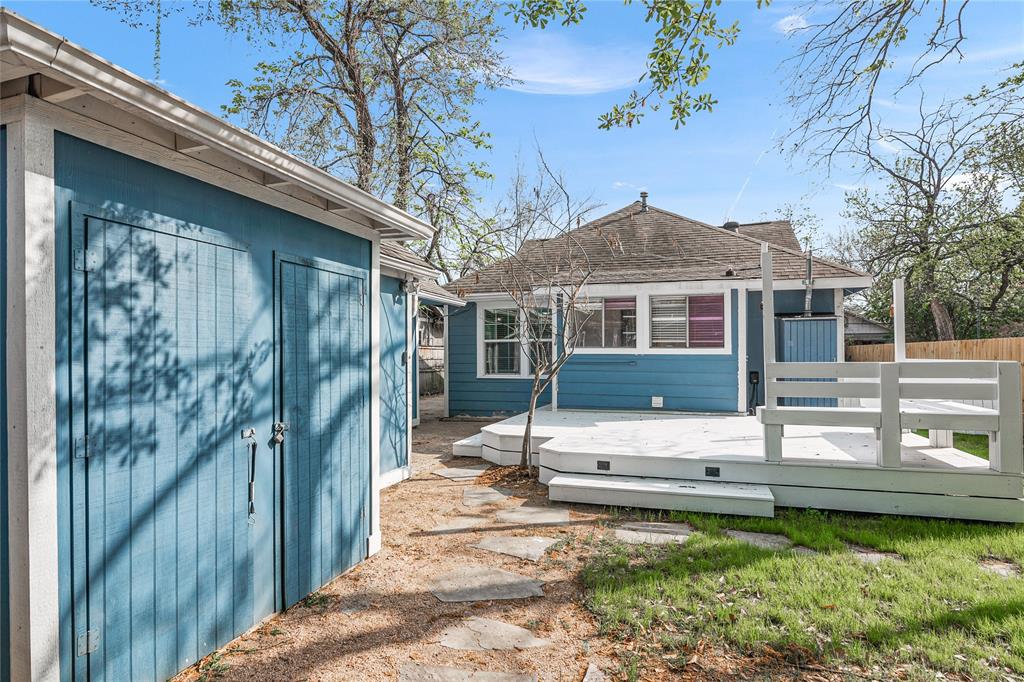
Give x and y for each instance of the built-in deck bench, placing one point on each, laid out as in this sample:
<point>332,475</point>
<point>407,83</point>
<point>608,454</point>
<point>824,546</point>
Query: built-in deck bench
<point>893,396</point>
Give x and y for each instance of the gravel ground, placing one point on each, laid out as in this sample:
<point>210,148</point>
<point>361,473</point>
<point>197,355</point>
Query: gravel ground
<point>379,616</point>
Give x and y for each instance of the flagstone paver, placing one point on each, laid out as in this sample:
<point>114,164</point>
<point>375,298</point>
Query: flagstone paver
<point>762,540</point>
<point>460,522</point>
<point>467,473</point>
<point>594,674</point>
<point>485,634</point>
<point>531,548</point>
<point>653,533</point>
<point>479,496</point>
<point>1006,569</point>
<point>484,583</point>
<point>534,516</point>
<point>872,556</point>
<point>415,672</point>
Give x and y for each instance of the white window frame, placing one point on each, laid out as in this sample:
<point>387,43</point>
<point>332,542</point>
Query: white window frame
<point>643,293</point>
<point>601,299</point>
<point>524,359</point>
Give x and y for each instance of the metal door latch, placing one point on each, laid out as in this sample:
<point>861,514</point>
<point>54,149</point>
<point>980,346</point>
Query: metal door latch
<point>249,434</point>
<point>88,642</point>
<point>279,430</point>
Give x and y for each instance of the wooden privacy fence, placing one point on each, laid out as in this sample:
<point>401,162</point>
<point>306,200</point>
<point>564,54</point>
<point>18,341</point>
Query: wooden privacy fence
<point>1010,348</point>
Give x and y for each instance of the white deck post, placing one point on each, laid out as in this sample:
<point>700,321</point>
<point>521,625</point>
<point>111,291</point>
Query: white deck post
<point>899,320</point>
<point>890,434</point>
<point>1006,449</point>
<point>772,432</point>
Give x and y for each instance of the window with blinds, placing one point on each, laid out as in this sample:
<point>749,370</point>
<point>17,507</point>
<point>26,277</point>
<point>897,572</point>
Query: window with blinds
<point>688,321</point>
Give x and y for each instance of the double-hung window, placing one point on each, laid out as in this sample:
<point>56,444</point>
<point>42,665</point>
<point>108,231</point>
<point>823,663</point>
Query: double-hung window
<point>512,349</point>
<point>688,321</point>
<point>501,341</point>
<point>606,323</point>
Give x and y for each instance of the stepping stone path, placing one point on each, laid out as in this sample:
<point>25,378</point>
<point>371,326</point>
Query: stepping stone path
<point>484,634</point>
<point>594,674</point>
<point>462,473</point>
<point>531,548</point>
<point>872,556</point>
<point>653,533</point>
<point>762,540</point>
<point>534,516</point>
<point>806,551</point>
<point>460,522</point>
<point>1006,569</point>
<point>479,496</point>
<point>483,583</point>
<point>415,672</point>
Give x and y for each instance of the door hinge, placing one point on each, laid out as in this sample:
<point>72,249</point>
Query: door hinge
<point>88,642</point>
<point>86,260</point>
<point>82,447</point>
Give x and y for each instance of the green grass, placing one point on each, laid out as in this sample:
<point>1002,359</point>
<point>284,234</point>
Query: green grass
<point>973,443</point>
<point>934,610</point>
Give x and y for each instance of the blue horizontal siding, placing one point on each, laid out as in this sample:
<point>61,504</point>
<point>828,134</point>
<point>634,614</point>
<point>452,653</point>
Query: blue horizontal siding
<point>687,382</point>
<point>469,395</point>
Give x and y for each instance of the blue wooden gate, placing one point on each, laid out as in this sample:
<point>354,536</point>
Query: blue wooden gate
<point>394,446</point>
<point>806,339</point>
<point>324,359</point>
<point>161,544</point>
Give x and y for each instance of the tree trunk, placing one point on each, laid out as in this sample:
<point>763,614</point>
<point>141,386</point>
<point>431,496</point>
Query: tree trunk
<point>943,321</point>
<point>528,432</point>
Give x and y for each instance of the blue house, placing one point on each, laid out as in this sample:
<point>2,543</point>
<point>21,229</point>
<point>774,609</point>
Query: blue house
<point>206,348</point>
<point>671,317</point>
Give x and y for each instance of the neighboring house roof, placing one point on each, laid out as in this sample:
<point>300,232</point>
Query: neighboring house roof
<point>631,245</point>
<point>67,71</point>
<point>863,328</point>
<point>777,232</point>
<point>403,259</point>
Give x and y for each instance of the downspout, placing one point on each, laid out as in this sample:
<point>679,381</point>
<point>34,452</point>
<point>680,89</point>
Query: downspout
<point>809,283</point>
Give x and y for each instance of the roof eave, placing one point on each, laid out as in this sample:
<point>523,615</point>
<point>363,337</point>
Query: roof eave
<point>53,55</point>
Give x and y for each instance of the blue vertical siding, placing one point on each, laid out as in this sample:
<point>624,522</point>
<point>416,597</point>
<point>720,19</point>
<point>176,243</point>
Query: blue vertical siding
<point>786,302</point>
<point>415,366</point>
<point>686,382</point>
<point>469,395</point>
<point>92,174</point>
<point>393,416</point>
<point>5,614</point>
<point>807,339</point>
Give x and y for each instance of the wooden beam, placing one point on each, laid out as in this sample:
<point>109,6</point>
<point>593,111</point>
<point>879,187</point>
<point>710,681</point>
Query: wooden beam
<point>187,146</point>
<point>335,207</point>
<point>56,92</point>
<point>899,323</point>
<point>275,182</point>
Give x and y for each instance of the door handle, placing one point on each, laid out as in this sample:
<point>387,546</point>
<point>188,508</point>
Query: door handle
<point>249,434</point>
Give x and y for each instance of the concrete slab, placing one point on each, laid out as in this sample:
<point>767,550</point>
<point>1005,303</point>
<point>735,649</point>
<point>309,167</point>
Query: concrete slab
<point>762,540</point>
<point>415,672</point>
<point>460,522</point>
<point>483,583</point>
<point>594,674</point>
<point>531,548</point>
<point>462,473</point>
<point>1006,569</point>
<point>534,516</point>
<point>872,556</point>
<point>468,447</point>
<point>653,533</point>
<point>479,496</point>
<point>484,634</point>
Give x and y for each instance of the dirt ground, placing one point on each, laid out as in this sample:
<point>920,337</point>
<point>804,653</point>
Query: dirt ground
<point>368,623</point>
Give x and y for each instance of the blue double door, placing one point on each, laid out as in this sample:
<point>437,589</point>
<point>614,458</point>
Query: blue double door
<point>173,553</point>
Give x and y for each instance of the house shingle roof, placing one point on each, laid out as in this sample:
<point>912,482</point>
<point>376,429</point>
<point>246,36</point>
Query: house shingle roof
<point>404,255</point>
<point>635,246</point>
<point>777,232</point>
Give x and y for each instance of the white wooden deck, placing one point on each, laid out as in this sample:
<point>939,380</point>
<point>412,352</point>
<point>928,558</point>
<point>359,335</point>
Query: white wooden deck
<point>823,467</point>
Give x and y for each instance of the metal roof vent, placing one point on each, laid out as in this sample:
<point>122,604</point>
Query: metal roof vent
<point>732,226</point>
<point>643,202</point>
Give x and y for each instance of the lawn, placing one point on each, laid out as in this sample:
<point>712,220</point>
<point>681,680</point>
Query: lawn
<point>973,443</point>
<point>933,609</point>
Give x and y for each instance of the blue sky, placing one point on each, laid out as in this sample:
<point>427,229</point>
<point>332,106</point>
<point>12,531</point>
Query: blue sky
<point>570,76</point>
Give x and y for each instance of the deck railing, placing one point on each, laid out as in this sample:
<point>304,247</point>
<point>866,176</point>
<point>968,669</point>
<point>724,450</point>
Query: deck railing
<point>893,396</point>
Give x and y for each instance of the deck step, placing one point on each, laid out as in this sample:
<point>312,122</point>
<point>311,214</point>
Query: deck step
<point>469,447</point>
<point>657,493</point>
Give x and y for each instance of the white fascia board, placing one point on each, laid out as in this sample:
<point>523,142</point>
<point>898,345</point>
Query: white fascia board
<point>58,58</point>
<point>398,265</point>
<point>450,299</point>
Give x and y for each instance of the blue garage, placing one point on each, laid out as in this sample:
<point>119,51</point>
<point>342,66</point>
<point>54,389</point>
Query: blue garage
<point>199,371</point>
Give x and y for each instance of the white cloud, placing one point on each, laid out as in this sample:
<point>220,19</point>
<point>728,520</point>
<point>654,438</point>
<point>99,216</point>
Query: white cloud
<point>550,64</point>
<point>888,146</point>
<point>847,187</point>
<point>1005,53</point>
<point>791,23</point>
<point>619,184</point>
